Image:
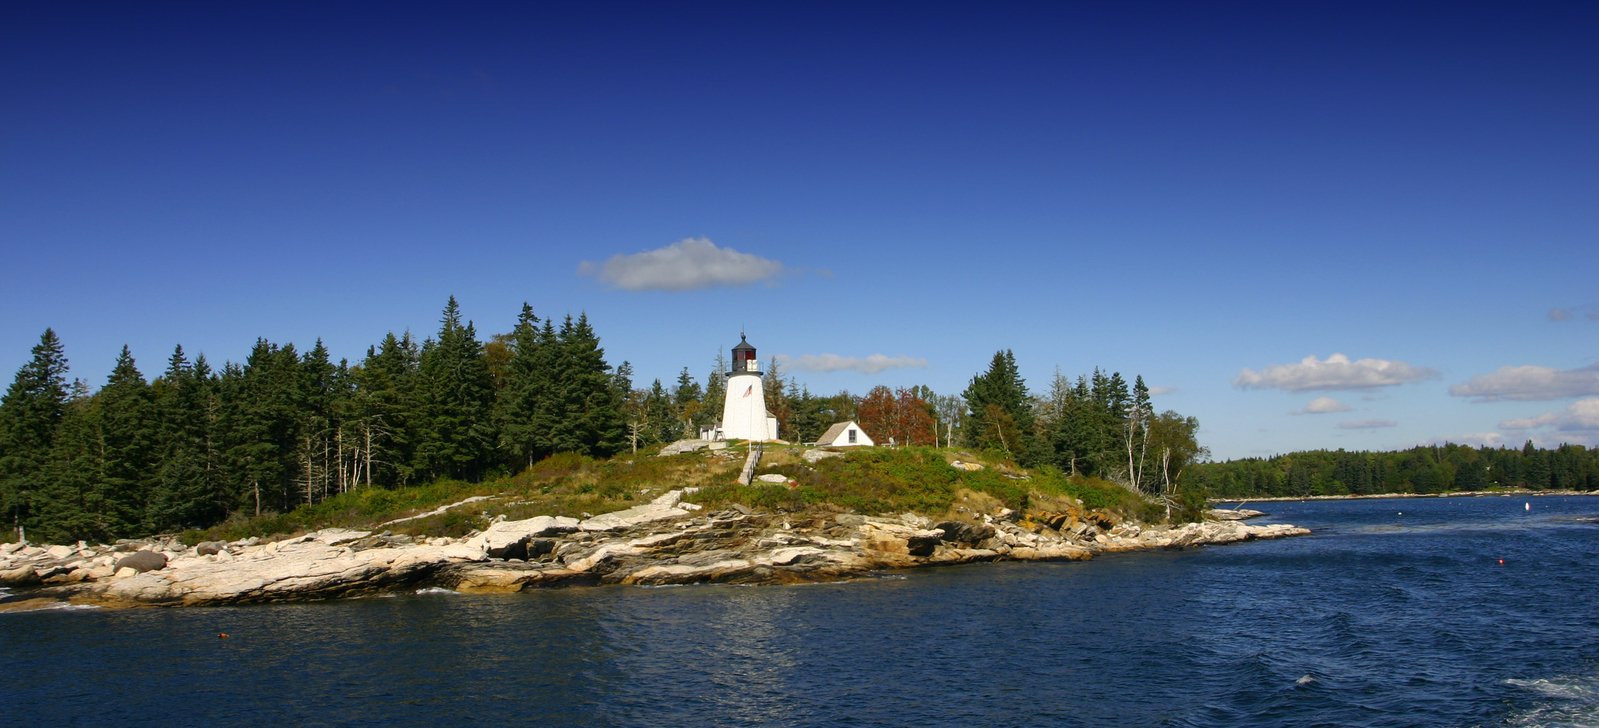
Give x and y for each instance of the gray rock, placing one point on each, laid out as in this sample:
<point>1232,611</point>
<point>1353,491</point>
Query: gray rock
<point>1234,514</point>
<point>208,548</point>
<point>778,478</point>
<point>635,516</point>
<point>683,446</point>
<point>336,536</point>
<point>142,561</point>
<point>967,533</point>
<point>923,543</point>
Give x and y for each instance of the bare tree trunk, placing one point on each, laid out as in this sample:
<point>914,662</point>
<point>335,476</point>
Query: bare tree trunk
<point>338,437</point>
<point>1165,474</point>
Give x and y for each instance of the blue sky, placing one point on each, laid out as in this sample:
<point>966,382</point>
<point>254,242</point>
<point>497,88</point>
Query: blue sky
<point>1308,224</point>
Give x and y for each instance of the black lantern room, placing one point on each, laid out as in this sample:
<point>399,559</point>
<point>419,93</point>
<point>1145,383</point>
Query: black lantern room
<point>744,358</point>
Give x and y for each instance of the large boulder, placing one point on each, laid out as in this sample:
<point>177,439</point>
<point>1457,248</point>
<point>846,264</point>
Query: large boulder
<point>813,456</point>
<point>142,561</point>
<point>924,542</point>
<point>967,533</point>
<point>683,446</point>
<point>210,548</point>
<point>509,539</point>
<point>663,508</point>
<point>1234,514</point>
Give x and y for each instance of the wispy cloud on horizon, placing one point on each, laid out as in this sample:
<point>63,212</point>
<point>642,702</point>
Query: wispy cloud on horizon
<point>1530,383</point>
<point>1322,406</point>
<point>686,265</point>
<point>1579,416</point>
<point>1367,424</point>
<point>870,364</point>
<point>1336,372</point>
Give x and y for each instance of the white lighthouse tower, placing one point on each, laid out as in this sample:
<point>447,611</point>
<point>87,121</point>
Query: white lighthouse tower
<point>744,414</point>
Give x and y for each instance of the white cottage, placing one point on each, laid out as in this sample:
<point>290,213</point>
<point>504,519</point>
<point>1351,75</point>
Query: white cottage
<point>845,434</point>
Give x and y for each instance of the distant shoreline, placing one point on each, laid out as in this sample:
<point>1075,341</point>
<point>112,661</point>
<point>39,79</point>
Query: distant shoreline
<point>1390,496</point>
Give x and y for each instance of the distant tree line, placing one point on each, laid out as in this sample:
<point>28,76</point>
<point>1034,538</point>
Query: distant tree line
<point>286,428</point>
<point>1423,469</point>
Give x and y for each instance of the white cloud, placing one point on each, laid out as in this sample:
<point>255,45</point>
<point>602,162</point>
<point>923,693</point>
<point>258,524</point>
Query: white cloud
<point>1333,373</point>
<point>1321,406</point>
<point>835,363</point>
<point>686,265</point>
<point>1367,424</point>
<point>1580,416</point>
<point>1559,314</point>
<point>1158,391</point>
<point>1528,383</point>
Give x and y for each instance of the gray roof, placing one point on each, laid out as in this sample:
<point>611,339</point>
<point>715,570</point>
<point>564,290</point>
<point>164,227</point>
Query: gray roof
<point>836,430</point>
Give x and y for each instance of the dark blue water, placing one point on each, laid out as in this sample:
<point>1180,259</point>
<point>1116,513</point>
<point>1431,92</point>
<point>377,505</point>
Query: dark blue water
<point>1380,619</point>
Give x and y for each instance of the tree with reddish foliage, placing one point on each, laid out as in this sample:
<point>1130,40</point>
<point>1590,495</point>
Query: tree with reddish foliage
<point>902,417</point>
<point>876,414</point>
<point>918,426</point>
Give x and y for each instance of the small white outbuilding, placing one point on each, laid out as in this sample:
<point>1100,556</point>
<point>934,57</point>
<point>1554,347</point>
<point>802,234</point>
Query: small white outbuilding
<point>845,434</point>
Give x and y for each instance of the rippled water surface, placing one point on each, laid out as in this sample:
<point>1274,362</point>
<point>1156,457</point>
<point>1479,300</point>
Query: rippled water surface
<point>1396,612</point>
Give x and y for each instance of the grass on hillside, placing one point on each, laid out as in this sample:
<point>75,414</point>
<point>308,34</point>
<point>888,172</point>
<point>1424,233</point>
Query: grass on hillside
<point>872,481</point>
<point>880,481</point>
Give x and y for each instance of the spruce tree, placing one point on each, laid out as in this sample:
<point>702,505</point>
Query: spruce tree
<point>127,422</point>
<point>29,414</point>
<point>318,385</point>
<point>75,507</point>
<point>715,396</point>
<point>588,410</point>
<point>999,413</point>
<point>689,400</point>
<point>182,494</point>
<point>660,411</point>
<point>457,431</point>
<point>522,401</point>
<point>386,410</point>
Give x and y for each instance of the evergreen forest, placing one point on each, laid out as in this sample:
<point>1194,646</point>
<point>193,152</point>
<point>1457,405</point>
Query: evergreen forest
<point>198,444</point>
<point>1421,470</point>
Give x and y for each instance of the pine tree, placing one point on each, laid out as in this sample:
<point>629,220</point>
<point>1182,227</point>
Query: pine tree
<point>457,432</point>
<point>127,430</point>
<point>715,397</point>
<point>999,413</point>
<point>519,408</point>
<point>74,506</point>
<point>591,406</point>
<point>315,454</point>
<point>689,401</point>
<point>29,414</point>
<point>184,494</point>
<point>661,413</point>
<point>384,411</point>
<point>259,423</point>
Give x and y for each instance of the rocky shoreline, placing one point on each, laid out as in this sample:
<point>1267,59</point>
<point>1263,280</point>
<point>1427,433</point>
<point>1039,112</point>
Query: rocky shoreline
<point>667,541</point>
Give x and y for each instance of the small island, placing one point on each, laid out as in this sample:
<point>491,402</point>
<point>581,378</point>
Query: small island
<point>801,519</point>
